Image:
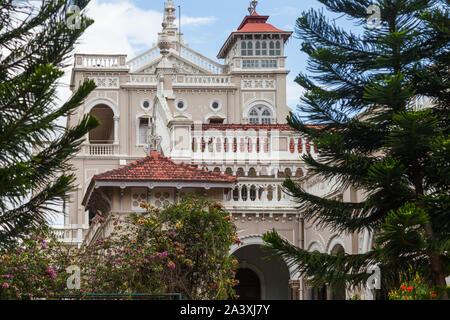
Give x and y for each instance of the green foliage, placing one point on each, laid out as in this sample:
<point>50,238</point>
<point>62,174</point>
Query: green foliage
<point>414,287</point>
<point>35,150</point>
<point>182,248</point>
<point>34,268</point>
<point>361,94</point>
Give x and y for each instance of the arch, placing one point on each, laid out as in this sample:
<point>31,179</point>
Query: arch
<point>107,102</point>
<point>264,103</point>
<point>210,116</point>
<point>256,239</point>
<point>335,240</point>
<point>252,172</point>
<point>315,246</point>
<point>299,173</point>
<point>106,132</point>
<point>240,172</point>
<point>262,281</point>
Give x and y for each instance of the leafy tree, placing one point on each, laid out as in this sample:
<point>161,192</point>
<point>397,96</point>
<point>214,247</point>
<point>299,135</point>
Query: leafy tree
<point>361,96</point>
<point>35,42</point>
<point>182,248</point>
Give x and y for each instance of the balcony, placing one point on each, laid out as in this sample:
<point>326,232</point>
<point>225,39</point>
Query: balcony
<point>68,235</point>
<point>100,149</point>
<point>100,61</point>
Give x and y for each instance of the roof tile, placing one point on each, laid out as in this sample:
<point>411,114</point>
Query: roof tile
<point>156,167</point>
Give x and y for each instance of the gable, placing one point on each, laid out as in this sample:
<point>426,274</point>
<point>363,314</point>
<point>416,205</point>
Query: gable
<point>182,65</point>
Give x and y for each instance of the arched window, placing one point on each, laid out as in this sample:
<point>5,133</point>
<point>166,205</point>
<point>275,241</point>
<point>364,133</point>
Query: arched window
<point>243,48</point>
<point>264,48</point>
<point>258,48</point>
<point>260,115</point>
<point>278,47</point>
<point>103,134</point>
<point>249,48</point>
<point>272,48</point>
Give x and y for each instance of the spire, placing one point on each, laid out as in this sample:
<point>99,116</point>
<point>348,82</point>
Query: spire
<point>169,16</point>
<point>252,8</point>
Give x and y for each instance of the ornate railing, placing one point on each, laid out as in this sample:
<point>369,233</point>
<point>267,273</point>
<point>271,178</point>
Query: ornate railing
<point>68,235</point>
<point>257,194</point>
<point>98,61</point>
<point>143,59</point>
<point>203,80</point>
<point>201,61</point>
<point>232,145</point>
<point>100,149</point>
<point>143,79</point>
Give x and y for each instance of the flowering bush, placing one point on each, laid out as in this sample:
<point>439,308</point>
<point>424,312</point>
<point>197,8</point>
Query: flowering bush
<point>34,268</point>
<point>415,288</point>
<point>182,248</point>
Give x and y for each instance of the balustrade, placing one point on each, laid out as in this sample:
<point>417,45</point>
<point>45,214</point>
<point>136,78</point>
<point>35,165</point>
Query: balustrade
<point>100,61</point>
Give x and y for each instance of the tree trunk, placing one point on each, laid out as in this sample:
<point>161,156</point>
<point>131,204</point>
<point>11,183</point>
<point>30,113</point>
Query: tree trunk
<point>436,264</point>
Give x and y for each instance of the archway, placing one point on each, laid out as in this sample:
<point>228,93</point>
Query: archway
<point>272,273</point>
<point>249,287</point>
<point>337,292</point>
<point>104,133</point>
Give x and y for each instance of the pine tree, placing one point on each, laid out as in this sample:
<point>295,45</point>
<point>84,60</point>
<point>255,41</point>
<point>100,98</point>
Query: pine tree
<point>361,95</point>
<point>36,38</point>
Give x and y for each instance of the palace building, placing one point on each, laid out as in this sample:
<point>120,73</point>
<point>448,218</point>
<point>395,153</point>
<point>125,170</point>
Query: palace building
<point>175,122</point>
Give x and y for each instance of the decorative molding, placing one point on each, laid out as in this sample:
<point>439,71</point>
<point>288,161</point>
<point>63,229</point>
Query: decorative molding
<point>258,84</point>
<point>106,82</point>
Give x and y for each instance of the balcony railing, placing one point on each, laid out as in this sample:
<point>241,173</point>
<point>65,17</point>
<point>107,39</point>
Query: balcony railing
<point>100,149</point>
<point>203,80</point>
<point>97,61</point>
<point>143,59</point>
<point>68,235</point>
<point>257,194</point>
<point>252,148</point>
<point>201,61</point>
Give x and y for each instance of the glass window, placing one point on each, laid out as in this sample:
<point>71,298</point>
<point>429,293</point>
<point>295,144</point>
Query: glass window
<point>272,48</point>
<point>250,64</point>
<point>278,47</point>
<point>244,48</point>
<point>249,48</point>
<point>264,48</point>
<point>268,63</point>
<point>260,115</point>
<point>258,48</point>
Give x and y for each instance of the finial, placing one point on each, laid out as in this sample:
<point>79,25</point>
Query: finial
<point>252,8</point>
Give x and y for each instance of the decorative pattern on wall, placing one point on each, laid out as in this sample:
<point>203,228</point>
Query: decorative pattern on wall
<point>106,82</point>
<point>138,195</point>
<point>258,84</point>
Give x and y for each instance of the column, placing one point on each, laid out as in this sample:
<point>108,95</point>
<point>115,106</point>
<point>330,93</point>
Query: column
<point>303,145</point>
<point>116,130</point>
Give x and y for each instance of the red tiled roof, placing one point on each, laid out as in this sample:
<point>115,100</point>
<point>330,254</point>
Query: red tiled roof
<point>257,23</point>
<point>251,24</point>
<point>156,167</point>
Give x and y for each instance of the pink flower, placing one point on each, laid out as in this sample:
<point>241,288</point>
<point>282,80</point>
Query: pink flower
<point>171,265</point>
<point>5,285</point>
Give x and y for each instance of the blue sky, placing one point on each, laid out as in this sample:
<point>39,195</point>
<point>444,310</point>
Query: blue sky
<point>131,27</point>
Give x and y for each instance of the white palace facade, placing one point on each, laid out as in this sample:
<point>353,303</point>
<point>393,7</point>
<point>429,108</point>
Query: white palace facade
<point>175,122</point>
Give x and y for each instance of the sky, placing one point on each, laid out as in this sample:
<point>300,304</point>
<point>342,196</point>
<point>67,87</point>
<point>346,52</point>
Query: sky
<point>131,27</point>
